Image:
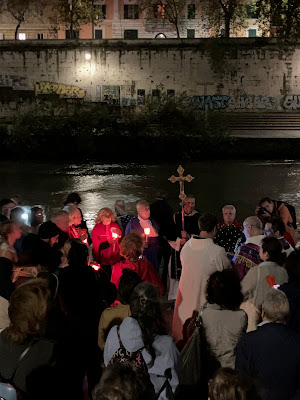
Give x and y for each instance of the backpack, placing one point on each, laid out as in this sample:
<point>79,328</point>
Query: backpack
<point>122,355</point>
<point>291,210</point>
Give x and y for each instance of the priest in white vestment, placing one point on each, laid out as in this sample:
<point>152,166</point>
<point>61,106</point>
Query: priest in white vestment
<point>200,258</point>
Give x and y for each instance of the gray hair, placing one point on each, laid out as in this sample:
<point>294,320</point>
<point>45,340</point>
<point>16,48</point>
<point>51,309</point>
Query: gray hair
<point>254,221</point>
<point>276,306</point>
<point>142,204</point>
<point>230,207</point>
<point>58,214</point>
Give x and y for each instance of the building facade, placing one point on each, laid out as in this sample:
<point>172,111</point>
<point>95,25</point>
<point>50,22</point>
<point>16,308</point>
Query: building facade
<point>120,19</point>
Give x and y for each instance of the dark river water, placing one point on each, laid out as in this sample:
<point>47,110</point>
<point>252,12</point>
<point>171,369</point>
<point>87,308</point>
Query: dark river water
<point>216,183</point>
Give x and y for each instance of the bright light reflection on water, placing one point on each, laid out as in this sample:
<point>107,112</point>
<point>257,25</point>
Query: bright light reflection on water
<point>216,183</point>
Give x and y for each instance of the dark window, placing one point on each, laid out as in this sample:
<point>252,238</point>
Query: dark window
<point>191,11</point>
<point>100,11</point>
<point>141,95</point>
<point>190,33</point>
<point>159,11</point>
<point>130,34</point>
<point>131,11</point>
<point>40,36</point>
<point>252,33</point>
<point>171,93</point>
<point>98,33</point>
<point>251,12</point>
<point>72,34</point>
<point>156,93</point>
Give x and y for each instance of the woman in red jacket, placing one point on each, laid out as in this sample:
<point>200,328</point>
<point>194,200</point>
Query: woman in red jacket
<point>131,248</point>
<point>106,237</point>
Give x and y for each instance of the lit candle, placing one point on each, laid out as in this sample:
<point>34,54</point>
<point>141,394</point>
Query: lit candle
<point>95,266</point>
<point>115,237</point>
<point>85,241</point>
<point>147,233</point>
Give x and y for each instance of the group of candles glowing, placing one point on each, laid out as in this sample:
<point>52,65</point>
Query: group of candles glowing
<point>115,237</point>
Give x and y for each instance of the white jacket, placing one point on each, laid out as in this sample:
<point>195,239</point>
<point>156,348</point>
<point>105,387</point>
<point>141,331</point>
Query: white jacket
<point>200,258</point>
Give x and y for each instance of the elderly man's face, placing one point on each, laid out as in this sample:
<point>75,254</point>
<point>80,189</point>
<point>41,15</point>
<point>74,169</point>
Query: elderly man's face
<point>189,205</point>
<point>62,222</point>
<point>228,215</point>
<point>144,212</point>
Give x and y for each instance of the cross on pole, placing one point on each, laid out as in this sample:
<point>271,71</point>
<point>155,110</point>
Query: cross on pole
<point>180,178</point>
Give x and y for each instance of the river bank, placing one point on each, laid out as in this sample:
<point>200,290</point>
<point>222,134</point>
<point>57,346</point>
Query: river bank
<point>145,149</point>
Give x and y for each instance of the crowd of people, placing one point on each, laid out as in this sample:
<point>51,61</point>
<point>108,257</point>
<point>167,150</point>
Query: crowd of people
<point>81,312</point>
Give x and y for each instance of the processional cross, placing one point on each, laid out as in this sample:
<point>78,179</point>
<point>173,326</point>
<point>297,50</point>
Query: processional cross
<point>180,178</point>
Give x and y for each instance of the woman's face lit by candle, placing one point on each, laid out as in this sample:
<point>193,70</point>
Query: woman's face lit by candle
<point>106,220</point>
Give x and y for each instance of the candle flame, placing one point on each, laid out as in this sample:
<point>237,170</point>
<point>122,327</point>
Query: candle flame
<point>95,266</point>
<point>85,241</point>
<point>115,235</point>
<point>147,231</point>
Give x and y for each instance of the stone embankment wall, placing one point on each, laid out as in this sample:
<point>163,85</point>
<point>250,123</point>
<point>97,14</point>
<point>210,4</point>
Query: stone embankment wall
<point>52,77</point>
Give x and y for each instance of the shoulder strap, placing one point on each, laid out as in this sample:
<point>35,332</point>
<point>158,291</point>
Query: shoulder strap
<point>167,385</point>
<point>20,359</point>
<point>119,338</point>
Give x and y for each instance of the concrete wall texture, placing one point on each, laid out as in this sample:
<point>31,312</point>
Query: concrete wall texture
<point>236,75</point>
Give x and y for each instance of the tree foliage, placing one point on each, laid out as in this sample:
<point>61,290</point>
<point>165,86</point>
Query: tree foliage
<point>227,15</point>
<point>73,13</point>
<point>172,10</point>
<point>282,16</point>
<point>20,9</point>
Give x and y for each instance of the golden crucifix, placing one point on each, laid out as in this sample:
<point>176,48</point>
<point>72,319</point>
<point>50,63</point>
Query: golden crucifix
<point>180,178</point>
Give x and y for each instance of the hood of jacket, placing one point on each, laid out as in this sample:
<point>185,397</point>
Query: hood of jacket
<point>131,334</point>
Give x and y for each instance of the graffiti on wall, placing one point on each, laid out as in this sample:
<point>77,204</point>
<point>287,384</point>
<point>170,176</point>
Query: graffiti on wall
<point>15,81</point>
<point>214,102</point>
<point>64,91</point>
<point>291,102</point>
<point>111,94</point>
<point>245,101</point>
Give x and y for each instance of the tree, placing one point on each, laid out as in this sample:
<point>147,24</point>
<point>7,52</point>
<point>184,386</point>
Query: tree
<point>171,10</point>
<point>19,9</point>
<point>227,14</point>
<point>73,13</point>
<point>283,15</point>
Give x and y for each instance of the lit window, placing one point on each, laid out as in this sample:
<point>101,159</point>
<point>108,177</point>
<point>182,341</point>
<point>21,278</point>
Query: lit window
<point>159,11</point>
<point>22,36</point>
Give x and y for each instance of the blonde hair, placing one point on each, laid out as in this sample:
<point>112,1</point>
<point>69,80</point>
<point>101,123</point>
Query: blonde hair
<point>6,228</point>
<point>68,244</point>
<point>27,310</point>
<point>105,212</point>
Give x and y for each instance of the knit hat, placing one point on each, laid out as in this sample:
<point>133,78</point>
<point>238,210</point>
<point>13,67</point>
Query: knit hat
<point>48,230</point>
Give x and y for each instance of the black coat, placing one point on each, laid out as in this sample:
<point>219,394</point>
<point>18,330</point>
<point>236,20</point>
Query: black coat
<point>38,374</point>
<point>271,355</point>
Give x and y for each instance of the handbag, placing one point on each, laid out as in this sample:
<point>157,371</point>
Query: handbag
<point>198,362</point>
<point>191,355</point>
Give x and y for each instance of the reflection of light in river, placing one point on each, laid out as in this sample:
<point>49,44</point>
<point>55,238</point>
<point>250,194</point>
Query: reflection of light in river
<point>97,192</point>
